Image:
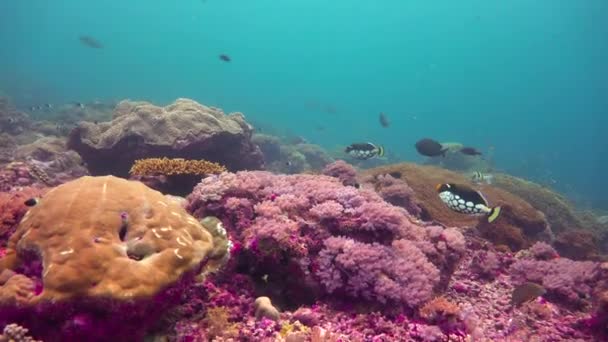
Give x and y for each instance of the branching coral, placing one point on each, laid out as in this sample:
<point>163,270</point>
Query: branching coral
<point>16,333</point>
<point>175,166</point>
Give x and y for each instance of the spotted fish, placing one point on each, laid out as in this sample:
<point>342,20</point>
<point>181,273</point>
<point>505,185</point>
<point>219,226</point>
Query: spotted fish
<point>465,200</point>
<point>364,151</point>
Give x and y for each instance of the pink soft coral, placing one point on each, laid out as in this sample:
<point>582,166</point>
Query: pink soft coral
<point>298,227</point>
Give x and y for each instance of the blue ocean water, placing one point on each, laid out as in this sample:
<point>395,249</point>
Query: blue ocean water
<point>526,78</point>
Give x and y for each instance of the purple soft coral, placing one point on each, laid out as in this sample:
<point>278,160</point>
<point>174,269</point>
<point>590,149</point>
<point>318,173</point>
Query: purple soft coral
<point>288,224</point>
<point>566,280</point>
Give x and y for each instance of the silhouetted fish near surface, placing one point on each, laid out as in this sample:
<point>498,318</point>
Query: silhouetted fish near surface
<point>430,148</point>
<point>90,42</point>
<point>526,292</point>
<point>225,58</point>
<point>383,120</point>
<point>470,151</point>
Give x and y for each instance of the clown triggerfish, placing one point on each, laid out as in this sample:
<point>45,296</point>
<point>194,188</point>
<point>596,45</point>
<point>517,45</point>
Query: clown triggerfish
<point>364,151</point>
<point>465,200</point>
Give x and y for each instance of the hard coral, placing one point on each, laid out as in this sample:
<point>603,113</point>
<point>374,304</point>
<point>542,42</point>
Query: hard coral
<point>291,227</point>
<point>183,129</point>
<point>128,248</point>
<point>175,166</point>
<point>174,176</point>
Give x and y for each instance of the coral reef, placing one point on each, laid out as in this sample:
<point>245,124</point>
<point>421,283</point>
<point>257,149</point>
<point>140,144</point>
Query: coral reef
<point>176,176</point>
<point>566,281</point>
<point>395,191</point>
<point>559,212</point>
<point>177,166</point>
<point>345,172</point>
<point>100,245</point>
<point>12,209</point>
<point>16,333</point>
<point>519,224</point>
<point>183,129</point>
<point>289,156</point>
<point>577,244</point>
<point>311,233</point>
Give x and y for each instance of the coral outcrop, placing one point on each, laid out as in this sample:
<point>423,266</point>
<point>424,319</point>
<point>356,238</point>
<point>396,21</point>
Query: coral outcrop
<point>288,156</point>
<point>101,245</point>
<point>183,129</point>
<point>559,212</point>
<point>518,226</point>
<point>311,233</point>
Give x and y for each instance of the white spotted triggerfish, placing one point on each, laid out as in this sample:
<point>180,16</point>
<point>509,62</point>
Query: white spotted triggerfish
<point>465,200</point>
<point>364,151</point>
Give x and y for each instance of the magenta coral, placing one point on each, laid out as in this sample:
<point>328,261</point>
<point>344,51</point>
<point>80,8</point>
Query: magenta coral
<point>543,251</point>
<point>342,170</point>
<point>297,224</point>
<point>564,279</point>
<point>397,192</point>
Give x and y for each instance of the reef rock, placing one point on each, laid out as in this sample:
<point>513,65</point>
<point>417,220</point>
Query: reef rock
<point>518,226</point>
<point>104,254</point>
<point>183,129</point>
<point>559,211</point>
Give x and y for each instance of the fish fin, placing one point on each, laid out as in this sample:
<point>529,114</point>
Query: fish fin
<point>380,151</point>
<point>494,213</point>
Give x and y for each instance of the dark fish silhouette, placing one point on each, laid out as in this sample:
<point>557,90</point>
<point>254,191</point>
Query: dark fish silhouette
<point>90,42</point>
<point>430,148</point>
<point>470,151</point>
<point>31,202</point>
<point>384,120</point>
<point>526,292</point>
<point>225,58</point>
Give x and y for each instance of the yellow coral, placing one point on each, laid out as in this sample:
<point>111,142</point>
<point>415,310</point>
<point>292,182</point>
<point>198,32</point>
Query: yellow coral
<point>439,308</point>
<point>175,166</point>
<point>293,328</point>
<point>218,322</point>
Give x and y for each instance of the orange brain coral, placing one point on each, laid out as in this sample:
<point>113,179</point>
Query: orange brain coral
<point>109,237</point>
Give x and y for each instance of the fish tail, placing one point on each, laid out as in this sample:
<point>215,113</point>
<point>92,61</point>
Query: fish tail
<point>380,151</point>
<point>493,215</point>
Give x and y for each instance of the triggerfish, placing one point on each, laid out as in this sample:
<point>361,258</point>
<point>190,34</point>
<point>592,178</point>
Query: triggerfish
<point>465,200</point>
<point>363,151</point>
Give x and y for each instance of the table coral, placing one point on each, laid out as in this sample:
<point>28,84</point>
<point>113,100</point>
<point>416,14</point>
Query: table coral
<point>104,245</point>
